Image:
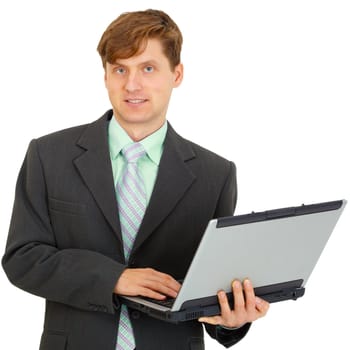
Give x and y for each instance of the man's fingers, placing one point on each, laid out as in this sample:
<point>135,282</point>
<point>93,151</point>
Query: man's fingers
<point>163,279</point>
<point>262,306</point>
<point>160,288</point>
<point>250,300</point>
<point>161,282</point>
<point>146,282</point>
<point>149,293</point>
<point>247,307</point>
<point>215,320</point>
<point>224,304</point>
<point>239,302</point>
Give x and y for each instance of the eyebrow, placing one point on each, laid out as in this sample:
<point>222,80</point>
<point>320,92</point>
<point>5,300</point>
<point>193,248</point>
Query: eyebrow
<point>144,63</point>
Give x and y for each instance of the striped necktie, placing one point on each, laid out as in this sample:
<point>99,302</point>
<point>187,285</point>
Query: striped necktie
<point>131,198</point>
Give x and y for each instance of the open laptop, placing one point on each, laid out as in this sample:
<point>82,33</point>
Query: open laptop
<point>276,249</point>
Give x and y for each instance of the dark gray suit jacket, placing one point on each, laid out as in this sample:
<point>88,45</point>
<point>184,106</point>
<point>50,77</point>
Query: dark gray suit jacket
<point>65,241</point>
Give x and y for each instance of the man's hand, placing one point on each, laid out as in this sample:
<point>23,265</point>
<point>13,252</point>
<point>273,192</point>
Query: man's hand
<point>148,283</point>
<point>247,307</point>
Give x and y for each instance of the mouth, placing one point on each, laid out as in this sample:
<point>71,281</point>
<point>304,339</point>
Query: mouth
<point>136,101</point>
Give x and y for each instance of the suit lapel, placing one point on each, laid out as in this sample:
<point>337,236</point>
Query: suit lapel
<point>94,166</point>
<point>173,180</point>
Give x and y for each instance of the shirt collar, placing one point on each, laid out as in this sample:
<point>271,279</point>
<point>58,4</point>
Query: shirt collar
<point>153,144</point>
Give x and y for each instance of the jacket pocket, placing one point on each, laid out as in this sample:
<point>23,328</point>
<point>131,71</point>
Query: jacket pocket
<point>53,341</point>
<point>196,344</point>
<point>64,207</point>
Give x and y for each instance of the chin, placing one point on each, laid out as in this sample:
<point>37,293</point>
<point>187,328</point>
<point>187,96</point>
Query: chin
<point>138,120</point>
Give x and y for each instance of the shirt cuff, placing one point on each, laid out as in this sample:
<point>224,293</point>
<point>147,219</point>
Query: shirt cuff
<point>231,328</point>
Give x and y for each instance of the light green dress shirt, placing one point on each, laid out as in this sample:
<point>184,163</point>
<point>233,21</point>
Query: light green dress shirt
<point>147,165</point>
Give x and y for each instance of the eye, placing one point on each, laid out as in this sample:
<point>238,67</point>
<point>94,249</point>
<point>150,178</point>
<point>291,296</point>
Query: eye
<point>120,70</point>
<point>148,69</point>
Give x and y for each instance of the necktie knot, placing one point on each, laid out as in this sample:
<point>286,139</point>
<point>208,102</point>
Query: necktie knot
<point>133,152</point>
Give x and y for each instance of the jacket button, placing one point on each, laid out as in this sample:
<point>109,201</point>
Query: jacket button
<point>135,315</point>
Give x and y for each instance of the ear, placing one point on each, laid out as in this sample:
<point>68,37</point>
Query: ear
<point>105,77</point>
<point>178,74</point>
<point>107,70</point>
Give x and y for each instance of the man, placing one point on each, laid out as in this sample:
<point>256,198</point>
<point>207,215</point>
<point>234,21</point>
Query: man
<point>118,207</point>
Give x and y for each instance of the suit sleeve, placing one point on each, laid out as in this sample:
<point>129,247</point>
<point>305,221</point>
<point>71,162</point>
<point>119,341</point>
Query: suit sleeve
<point>228,197</point>
<point>79,278</point>
<point>226,207</point>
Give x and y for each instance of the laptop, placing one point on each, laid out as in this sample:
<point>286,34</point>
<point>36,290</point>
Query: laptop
<point>276,249</point>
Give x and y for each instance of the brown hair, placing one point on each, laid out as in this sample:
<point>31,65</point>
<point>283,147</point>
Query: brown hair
<point>127,36</point>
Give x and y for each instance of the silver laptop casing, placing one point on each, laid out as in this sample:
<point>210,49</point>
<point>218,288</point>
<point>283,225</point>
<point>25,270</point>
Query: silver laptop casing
<point>270,248</point>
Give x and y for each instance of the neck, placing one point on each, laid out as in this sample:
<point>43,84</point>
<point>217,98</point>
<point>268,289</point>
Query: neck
<point>139,131</point>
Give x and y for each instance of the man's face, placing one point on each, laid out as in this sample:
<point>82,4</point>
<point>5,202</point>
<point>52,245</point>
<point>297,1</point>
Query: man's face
<point>140,87</point>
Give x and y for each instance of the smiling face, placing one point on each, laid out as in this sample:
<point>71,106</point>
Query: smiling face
<point>140,88</point>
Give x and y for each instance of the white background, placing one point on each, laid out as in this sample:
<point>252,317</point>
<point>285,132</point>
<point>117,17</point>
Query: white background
<point>267,85</point>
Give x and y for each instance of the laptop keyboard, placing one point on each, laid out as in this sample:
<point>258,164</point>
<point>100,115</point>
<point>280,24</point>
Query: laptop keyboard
<point>168,302</point>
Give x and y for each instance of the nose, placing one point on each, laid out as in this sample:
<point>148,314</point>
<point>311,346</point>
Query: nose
<point>133,82</point>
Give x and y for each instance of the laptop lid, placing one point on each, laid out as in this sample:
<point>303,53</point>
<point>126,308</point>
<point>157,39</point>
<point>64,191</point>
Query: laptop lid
<point>276,249</point>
